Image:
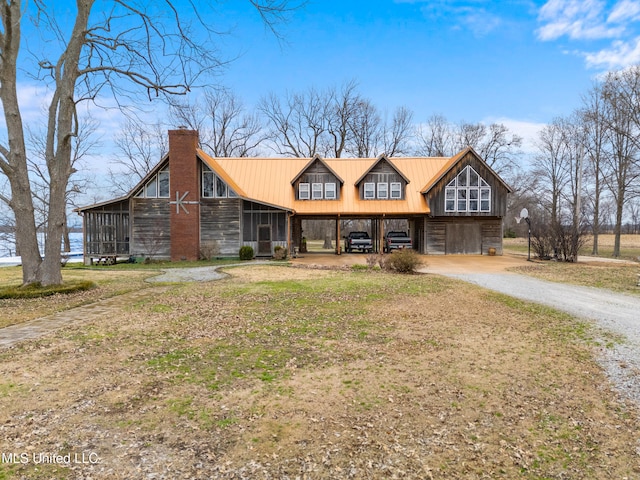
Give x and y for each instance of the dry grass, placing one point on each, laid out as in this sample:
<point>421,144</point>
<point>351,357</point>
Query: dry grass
<point>110,283</point>
<point>629,246</point>
<point>282,373</point>
<point>618,277</point>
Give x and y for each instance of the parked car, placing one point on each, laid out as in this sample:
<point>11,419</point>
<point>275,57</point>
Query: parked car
<point>397,240</point>
<point>358,241</point>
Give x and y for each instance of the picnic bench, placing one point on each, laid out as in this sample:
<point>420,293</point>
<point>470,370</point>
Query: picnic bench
<point>104,260</point>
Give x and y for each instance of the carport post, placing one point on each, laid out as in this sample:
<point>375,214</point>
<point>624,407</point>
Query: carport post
<point>338,243</point>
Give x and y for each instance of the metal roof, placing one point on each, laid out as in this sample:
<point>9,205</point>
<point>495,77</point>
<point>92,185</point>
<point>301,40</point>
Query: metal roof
<point>268,180</point>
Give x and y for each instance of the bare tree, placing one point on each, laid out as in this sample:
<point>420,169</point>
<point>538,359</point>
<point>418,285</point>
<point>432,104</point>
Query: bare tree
<point>494,143</point>
<point>550,165</point>
<point>225,128</point>
<point>366,127</point>
<point>297,125</point>
<point>595,145</point>
<point>83,145</point>
<point>435,137</point>
<point>621,95</point>
<point>397,135</point>
<point>130,48</point>
<point>343,106</point>
<point>139,147</point>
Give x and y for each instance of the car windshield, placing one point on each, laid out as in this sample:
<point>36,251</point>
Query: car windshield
<point>359,235</point>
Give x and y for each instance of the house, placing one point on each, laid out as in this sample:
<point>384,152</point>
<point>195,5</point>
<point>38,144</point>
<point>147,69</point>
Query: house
<point>191,201</point>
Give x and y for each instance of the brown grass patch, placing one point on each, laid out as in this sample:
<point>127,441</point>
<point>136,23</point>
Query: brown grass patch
<point>110,283</point>
<point>278,373</point>
<point>616,277</point>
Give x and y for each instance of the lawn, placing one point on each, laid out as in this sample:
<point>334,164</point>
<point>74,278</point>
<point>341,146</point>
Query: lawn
<point>629,246</point>
<point>283,372</point>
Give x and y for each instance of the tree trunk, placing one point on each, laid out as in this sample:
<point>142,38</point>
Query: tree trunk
<point>26,235</point>
<point>14,159</point>
<point>327,240</point>
<point>617,229</point>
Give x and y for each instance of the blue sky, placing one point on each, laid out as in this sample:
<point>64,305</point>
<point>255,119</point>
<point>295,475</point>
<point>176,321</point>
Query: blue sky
<point>520,62</point>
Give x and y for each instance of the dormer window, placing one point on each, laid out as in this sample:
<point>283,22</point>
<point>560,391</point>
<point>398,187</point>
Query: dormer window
<point>316,191</point>
<point>383,190</point>
<point>396,190</point>
<point>369,191</point>
<point>468,192</point>
<point>330,191</point>
<point>303,191</point>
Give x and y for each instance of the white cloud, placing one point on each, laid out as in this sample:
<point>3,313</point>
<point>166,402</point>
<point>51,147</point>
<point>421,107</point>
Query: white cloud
<point>620,55</point>
<point>473,15</point>
<point>590,20</point>
<point>576,19</point>
<point>626,10</point>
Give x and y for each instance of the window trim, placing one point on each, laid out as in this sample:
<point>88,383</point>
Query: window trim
<point>395,187</point>
<point>385,187</point>
<point>317,191</point>
<point>330,191</point>
<point>304,193</point>
<point>461,197</point>
<point>163,173</point>
<point>369,191</point>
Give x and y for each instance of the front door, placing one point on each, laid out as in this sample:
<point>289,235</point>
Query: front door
<point>264,239</point>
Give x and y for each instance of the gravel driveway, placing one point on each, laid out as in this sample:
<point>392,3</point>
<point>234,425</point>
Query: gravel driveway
<point>615,312</point>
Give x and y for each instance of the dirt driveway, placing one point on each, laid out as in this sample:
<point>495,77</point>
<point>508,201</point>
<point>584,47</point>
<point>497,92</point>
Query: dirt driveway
<point>440,264</point>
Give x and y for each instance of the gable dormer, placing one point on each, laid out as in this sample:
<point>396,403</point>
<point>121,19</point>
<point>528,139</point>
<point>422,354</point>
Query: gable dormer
<point>382,181</point>
<point>466,186</point>
<point>317,181</point>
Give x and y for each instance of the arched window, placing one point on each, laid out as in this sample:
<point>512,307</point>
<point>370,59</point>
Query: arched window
<point>468,192</point>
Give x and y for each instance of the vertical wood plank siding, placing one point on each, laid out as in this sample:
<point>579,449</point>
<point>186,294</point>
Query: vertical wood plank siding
<point>440,235</point>
<point>151,231</point>
<point>317,173</point>
<point>383,173</point>
<point>220,224</point>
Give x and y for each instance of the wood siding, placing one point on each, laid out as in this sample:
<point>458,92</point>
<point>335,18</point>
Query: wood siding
<point>220,224</point>
<point>435,234</point>
<point>317,173</point>
<point>492,236</point>
<point>436,196</point>
<point>107,229</point>
<point>150,227</point>
<point>471,236</point>
<point>383,173</point>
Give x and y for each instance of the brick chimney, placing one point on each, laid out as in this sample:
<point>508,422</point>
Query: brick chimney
<point>184,192</point>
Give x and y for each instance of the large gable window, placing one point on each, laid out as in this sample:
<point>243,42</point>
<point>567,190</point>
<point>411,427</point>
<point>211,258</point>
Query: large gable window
<point>468,192</point>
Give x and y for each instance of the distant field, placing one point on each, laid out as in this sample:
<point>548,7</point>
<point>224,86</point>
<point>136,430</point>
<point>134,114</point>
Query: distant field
<point>629,245</point>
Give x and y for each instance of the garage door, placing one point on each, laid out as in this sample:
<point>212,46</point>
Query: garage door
<point>463,238</point>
